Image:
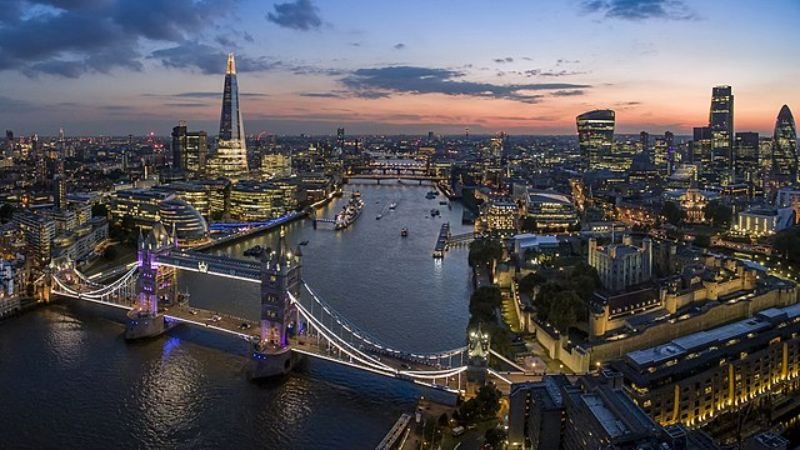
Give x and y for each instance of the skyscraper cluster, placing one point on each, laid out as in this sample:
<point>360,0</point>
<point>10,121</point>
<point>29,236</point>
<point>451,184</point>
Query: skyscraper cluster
<point>721,156</point>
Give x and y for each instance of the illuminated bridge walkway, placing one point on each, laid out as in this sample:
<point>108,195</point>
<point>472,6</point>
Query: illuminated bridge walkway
<point>317,330</point>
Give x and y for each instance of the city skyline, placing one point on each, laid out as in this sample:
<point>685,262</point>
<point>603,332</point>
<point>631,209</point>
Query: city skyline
<point>306,67</point>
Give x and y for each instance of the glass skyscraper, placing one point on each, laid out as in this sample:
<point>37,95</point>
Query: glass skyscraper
<point>720,123</point>
<point>230,160</point>
<point>596,137</point>
<point>784,149</point>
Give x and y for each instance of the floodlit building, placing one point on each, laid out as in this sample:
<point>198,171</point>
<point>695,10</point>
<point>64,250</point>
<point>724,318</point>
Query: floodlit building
<point>187,224</point>
<point>596,137</point>
<point>230,161</point>
<point>622,265</point>
<point>784,149</point>
<point>550,210</point>
<point>252,201</point>
<point>695,377</point>
<point>499,217</point>
<point>764,220</point>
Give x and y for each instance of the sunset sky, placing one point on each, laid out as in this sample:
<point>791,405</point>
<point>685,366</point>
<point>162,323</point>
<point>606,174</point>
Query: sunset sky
<point>523,66</point>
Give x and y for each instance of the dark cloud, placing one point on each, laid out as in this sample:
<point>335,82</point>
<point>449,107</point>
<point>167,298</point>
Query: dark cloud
<point>297,15</point>
<point>194,55</point>
<point>313,70</point>
<point>640,9</point>
<point>322,94</point>
<point>549,73</point>
<point>380,82</point>
<point>185,105</point>
<point>568,93</point>
<point>507,59</point>
<point>248,37</point>
<point>399,46</point>
<point>354,44</point>
<point>209,94</point>
<point>69,38</point>
<point>226,42</point>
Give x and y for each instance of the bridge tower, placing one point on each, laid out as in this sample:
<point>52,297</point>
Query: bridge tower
<point>144,320</point>
<point>478,352</point>
<point>280,280</point>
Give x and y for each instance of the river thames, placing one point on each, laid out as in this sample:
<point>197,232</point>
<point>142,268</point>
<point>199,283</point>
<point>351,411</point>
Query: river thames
<point>74,382</point>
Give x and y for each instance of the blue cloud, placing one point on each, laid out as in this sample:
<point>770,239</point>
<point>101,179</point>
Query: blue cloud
<point>640,9</point>
<point>380,82</point>
<point>297,15</point>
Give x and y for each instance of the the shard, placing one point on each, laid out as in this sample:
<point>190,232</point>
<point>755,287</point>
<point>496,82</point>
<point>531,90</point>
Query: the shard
<point>231,158</point>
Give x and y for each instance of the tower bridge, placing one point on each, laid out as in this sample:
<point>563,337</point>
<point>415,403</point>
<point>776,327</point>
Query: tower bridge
<point>294,320</point>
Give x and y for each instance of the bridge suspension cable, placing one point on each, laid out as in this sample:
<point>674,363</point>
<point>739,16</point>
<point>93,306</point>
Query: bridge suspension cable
<point>373,343</point>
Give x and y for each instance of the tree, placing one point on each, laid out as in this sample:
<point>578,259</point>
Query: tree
<point>673,213</point>
<point>495,437</point>
<point>529,282</point>
<point>483,303</point>
<point>529,225</point>
<point>99,210</point>
<point>6,211</point>
<point>787,243</point>
<point>718,214</point>
<point>565,309</point>
<point>484,251</point>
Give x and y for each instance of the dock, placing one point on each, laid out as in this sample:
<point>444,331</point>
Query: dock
<point>441,241</point>
<point>394,438</point>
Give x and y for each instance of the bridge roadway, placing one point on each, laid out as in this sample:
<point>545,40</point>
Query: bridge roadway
<point>248,330</point>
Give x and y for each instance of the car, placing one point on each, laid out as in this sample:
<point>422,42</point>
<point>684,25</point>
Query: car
<point>193,312</point>
<point>244,326</point>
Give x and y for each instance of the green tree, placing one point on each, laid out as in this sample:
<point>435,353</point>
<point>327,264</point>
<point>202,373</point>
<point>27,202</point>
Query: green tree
<point>99,210</point>
<point>673,213</point>
<point>787,244</point>
<point>495,437</point>
<point>529,225</point>
<point>566,307</point>
<point>6,211</point>
<point>530,281</point>
<point>483,303</point>
<point>484,252</point>
<point>718,213</point>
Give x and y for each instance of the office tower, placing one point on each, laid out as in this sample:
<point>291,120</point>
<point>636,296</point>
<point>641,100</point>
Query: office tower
<point>644,143</point>
<point>9,147</point>
<point>189,150</point>
<point>60,191</point>
<point>784,149</point>
<point>701,147</point>
<point>178,145</point>
<point>746,158</point>
<point>720,122</point>
<point>596,136</point>
<point>340,138</point>
<point>669,140</point>
<point>40,169</point>
<point>661,155</point>
<point>230,160</point>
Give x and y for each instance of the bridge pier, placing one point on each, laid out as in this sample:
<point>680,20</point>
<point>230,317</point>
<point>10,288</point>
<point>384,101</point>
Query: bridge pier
<point>144,320</point>
<point>272,354</point>
<point>478,365</point>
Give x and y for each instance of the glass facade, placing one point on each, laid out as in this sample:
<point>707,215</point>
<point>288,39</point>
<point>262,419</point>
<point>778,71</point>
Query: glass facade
<point>784,148</point>
<point>231,158</point>
<point>720,123</point>
<point>596,137</point>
